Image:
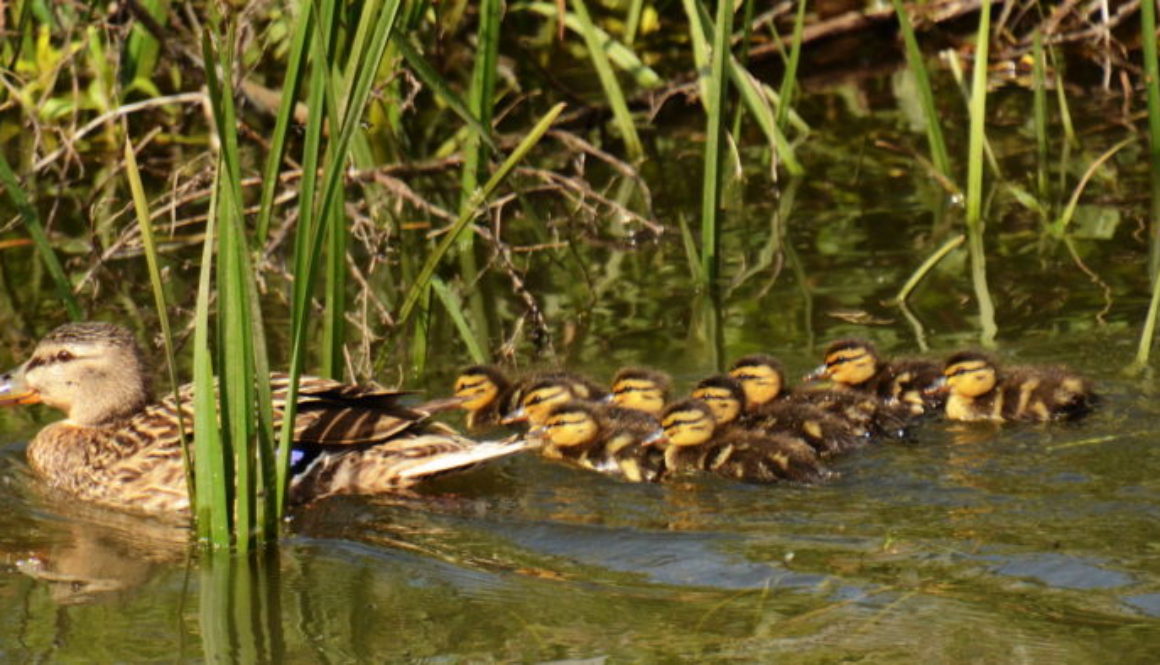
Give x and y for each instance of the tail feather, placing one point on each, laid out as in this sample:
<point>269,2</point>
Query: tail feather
<point>454,461</point>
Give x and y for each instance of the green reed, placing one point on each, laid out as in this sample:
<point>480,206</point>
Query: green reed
<point>917,63</point>
<point>1152,85</point>
<point>711,183</point>
<point>31,220</point>
<point>975,165</point>
<point>612,90</point>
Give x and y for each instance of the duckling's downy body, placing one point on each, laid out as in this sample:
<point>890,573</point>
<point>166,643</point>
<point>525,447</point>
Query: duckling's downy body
<point>977,389</point>
<point>117,449</point>
<point>855,364</point>
<point>763,380</point>
<point>693,442</point>
<point>609,439</point>
<point>824,432</point>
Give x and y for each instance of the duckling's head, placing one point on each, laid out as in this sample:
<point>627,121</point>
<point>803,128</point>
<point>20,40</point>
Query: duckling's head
<point>970,374</point>
<point>570,424</point>
<point>848,362</point>
<point>641,389</point>
<point>538,398</point>
<point>480,386</point>
<point>761,376</point>
<point>724,395</point>
<point>92,371</point>
<point>688,423</point>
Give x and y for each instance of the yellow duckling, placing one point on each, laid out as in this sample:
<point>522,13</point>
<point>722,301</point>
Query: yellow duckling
<point>641,389</point>
<point>855,364</point>
<point>489,396</point>
<point>693,442</point>
<point>535,398</point>
<point>763,379</point>
<point>826,433</point>
<point>979,390</point>
<point>609,439</point>
<point>118,449</point>
<point>485,393</point>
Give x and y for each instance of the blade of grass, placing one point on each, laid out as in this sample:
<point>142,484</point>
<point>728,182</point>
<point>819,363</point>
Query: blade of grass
<point>612,91</point>
<point>925,268</point>
<point>917,64</point>
<point>32,222</point>
<point>291,84</point>
<point>1039,112</point>
<point>474,347</point>
<point>714,142</point>
<point>1057,229</point>
<point>468,214</point>
<point>145,226</point>
<point>789,79</point>
<point>974,217</point>
<point>1152,79</point>
<point>211,491</point>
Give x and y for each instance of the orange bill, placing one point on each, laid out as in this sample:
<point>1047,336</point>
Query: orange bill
<point>13,389</point>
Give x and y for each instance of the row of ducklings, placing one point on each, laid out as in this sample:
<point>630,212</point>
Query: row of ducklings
<point>749,424</point>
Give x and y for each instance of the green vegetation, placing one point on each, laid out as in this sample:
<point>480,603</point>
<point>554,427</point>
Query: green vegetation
<point>362,185</point>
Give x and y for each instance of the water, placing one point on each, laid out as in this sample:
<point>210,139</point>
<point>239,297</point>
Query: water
<point>964,544</point>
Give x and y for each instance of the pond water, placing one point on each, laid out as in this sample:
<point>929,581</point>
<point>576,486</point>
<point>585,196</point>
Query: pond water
<point>961,544</point>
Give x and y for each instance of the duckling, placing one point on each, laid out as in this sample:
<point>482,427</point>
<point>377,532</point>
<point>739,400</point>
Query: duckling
<point>535,398</point>
<point>609,439</point>
<point>642,389</point>
<point>486,393</point>
<point>694,442</point>
<point>979,390</point>
<point>118,449</point>
<point>855,364</point>
<point>489,395</point>
<point>826,433</point>
<point>763,379</point>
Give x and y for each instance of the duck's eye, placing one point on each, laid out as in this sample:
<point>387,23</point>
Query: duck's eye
<point>63,356</point>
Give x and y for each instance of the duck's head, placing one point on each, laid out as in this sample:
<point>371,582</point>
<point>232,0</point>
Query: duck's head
<point>92,371</point>
<point>762,378</point>
<point>538,398</point>
<point>641,389</point>
<point>688,423</point>
<point>571,424</point>
<point>724,395</point>
<point>480,386</point>
<point>968,374</point>
<point>848,362</point>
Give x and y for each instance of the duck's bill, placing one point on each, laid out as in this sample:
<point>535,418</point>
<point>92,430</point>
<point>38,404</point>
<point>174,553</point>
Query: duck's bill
<point>939,387</point>
<point>820,372</point>
<point>517,416</point>
<point>13,389</point>
<point>655,438</point>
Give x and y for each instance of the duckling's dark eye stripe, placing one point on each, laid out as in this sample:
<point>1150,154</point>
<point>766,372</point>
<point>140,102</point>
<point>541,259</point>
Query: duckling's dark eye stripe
<point>963,370</point>
<point>472,385</point>
<point>845,359</point>
<point>41,361</point>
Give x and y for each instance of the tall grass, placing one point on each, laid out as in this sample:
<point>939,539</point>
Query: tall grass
<point>975,164</point>
<point>714,138</point>
<point>1152,83</point>
<point>31,220</point>
<point>917,64</point>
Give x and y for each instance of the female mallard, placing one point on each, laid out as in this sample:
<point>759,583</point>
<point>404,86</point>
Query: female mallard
<point>610,439</point>
<point>694,442</point>
<point>856,365</point>
<point>979,390</point>
<point>116,448</point>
